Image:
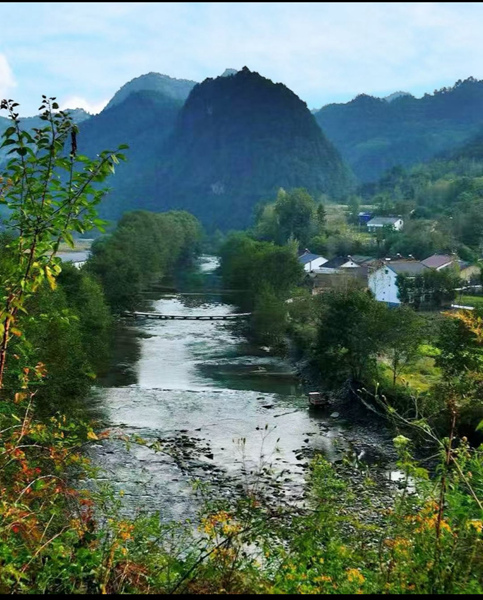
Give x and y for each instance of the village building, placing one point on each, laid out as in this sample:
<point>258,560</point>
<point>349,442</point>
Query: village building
<point>364,217</point>
<point>382,280</point>
<point>336,264</point>
<point>342,280</point>
<point>311,261</point>
<point>379,222</point>
<point>440,261</point>
<point>466,270</point>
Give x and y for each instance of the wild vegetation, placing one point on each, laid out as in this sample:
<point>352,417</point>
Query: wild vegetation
<point>374,135</point>
<point>57,537</point>
<point>144,248</point>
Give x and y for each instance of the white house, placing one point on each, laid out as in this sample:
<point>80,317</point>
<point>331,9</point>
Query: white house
<point>336,264</point>
<point>311,261</point>
<point>379,222</point>
<point>382,281</point>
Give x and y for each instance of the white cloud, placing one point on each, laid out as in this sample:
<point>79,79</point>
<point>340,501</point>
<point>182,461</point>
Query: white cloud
<point>7,81</point>
<point>321,50</point>
<point>77,102</point>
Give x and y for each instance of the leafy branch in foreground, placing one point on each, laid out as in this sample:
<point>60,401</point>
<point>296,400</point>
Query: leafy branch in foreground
<point>49,191</point>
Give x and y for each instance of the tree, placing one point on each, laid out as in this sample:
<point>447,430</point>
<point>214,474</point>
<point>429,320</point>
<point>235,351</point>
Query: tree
<point>49,190</point>
<point>269,317</point>
<point>296,211</point>
<point>321,216</point>
<point>350,334</point>
<point>354,206</point>
<point>430,287</point>
<point>404,334</point>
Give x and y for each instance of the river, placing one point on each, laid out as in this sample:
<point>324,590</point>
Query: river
<point>224,412</point>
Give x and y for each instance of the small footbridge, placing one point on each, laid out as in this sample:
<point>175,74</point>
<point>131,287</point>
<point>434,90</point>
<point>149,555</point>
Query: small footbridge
<point>164,317</point>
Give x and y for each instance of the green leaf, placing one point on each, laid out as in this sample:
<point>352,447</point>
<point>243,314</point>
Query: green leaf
<point>69,239</point>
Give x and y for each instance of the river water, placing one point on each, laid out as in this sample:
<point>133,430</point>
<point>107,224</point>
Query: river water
<point>225,413</point>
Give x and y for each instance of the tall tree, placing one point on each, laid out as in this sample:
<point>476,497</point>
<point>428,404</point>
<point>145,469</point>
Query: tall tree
<point>49,191</point>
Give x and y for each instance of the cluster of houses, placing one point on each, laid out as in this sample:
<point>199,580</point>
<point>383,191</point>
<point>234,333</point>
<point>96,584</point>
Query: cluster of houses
<point>378,275</point>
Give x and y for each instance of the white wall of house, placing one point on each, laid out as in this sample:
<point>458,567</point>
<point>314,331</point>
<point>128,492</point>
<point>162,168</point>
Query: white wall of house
<point>315,264</point>
<point>397,225</point>
<point>382,283</point>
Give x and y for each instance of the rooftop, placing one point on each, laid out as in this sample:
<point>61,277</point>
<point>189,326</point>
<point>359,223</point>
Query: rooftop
<point>335,262</point>
<point>308,257</point>
<point>384,220</point>
<point>408,267</point>
<point>437,261</point>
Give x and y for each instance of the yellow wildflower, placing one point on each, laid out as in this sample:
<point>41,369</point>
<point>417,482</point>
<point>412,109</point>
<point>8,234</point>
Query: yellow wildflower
<point>354,575</point>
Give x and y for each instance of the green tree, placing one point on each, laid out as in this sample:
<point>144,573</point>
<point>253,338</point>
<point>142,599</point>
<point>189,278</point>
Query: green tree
<point>404,334</point>
<point>432,288</point>
<point>49,191</point>
<point>321,216</point>
<point>145,247</point>
<point>296,211</point>
<point>269,322</point>
<point>354,206</point>
<point>350,334</point>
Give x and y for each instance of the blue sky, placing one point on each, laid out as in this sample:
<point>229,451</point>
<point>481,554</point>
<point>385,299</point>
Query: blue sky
<point>83,52</point>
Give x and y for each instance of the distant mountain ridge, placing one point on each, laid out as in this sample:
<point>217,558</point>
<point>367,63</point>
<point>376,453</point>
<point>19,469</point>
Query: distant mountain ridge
<point>374,135</point>
<point>395,95</point>
<point>178,89</point>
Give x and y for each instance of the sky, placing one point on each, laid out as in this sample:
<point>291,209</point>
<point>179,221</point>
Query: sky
<point>83,52</point>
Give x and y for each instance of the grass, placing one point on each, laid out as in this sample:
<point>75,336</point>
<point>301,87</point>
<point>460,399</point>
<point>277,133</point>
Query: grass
<point>476,301</point>
<point>420,375</point>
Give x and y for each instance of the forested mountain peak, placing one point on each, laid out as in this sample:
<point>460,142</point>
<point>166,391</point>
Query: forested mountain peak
<point>237,140</point>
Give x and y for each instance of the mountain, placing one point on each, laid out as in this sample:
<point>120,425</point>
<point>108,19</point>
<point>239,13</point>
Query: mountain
<point>395,95</point>
<point>237,140</point>
<point>177,89</point>
<point>232,143</point>
<point>78,115</point>
<point>374,135</point>
<point>471,150</point>
<point>143,120</point>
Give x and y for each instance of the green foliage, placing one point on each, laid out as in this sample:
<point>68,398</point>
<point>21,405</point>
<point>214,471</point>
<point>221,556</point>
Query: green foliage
<point>403,338</point>
<point>144,248</point>
<point>296,213</point>
<point>350,334</point>
<point>269,321</point>
<point>293,216</point>
<point>460,350</point>
<point>431,288</point>
<point>374,135</point>
<point>49,191</point>
<point>250,265</point>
